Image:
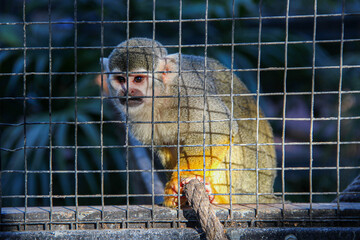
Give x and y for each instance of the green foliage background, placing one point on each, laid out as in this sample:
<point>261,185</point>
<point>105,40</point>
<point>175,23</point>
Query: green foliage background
<point>50,73</point>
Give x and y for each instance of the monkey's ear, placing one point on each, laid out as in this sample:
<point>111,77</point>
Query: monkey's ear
<point>169,68</point>
<point>105,64</point>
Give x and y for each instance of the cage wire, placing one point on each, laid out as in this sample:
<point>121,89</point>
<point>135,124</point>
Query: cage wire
<point>69,162</point>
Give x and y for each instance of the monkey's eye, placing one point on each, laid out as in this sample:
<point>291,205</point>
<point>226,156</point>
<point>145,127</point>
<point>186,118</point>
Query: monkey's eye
<point>120,79</point>
<point>138,79</point>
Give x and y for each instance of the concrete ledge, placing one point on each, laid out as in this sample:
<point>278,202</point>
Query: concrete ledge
<point>161,234</point>
<point>294,233</point>
<point>146,217</point>
<point>166,234</point>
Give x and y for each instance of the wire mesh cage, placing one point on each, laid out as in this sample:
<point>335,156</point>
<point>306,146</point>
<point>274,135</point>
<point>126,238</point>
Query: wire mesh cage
<point>69,159</point>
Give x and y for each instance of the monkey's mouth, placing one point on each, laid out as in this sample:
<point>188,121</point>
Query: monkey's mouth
<point>132,101</point>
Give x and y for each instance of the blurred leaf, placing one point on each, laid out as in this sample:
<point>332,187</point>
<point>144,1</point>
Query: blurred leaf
<point>41,63</point>
<point>14,79</point>
<point>4,55</point>
<point>90,130</point>
<point>10,36</point>
<point>14,137</point>
<point>91,180</point>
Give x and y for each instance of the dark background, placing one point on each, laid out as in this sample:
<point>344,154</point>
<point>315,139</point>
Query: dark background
<point>50,73</point>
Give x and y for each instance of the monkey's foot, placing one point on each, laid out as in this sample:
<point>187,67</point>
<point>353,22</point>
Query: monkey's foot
<point>207,185</point>
<point>172,187</point>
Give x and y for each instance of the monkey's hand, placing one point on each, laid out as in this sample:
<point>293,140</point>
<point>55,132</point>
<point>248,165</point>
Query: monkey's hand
<point>172,187</point>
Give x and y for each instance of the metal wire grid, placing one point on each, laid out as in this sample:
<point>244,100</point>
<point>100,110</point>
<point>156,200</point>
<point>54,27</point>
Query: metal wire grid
<point>76,74</point>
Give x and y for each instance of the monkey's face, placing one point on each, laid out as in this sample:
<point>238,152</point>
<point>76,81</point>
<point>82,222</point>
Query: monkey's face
<point>140,91</point>
<point>133,89</point>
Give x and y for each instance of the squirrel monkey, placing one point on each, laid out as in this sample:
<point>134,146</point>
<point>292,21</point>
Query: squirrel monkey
<point>140,68</point>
